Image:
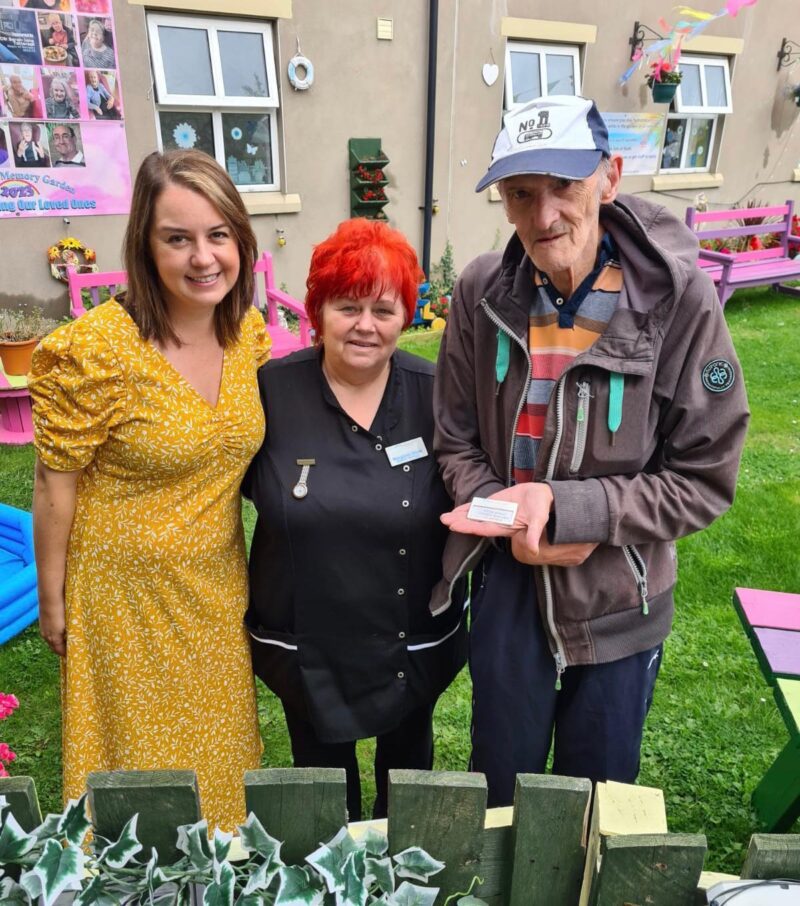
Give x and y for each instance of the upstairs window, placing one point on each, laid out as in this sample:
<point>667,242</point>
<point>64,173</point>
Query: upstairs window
<point>538,70</point>
<point>216,91</point>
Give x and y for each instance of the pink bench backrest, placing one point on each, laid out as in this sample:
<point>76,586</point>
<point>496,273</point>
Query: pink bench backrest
<point>695,220</point>
<point>111,280</point>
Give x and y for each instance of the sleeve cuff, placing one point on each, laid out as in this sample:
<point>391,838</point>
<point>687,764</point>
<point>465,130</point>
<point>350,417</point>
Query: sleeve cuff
<point>580,512</point>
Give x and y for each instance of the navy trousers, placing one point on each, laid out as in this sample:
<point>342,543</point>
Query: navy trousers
<point>595,721</point>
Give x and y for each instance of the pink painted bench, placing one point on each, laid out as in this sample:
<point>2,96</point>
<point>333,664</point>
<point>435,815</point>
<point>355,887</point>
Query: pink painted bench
<point>758,267</point>
<point>772,622</point>
<point>16,425</point>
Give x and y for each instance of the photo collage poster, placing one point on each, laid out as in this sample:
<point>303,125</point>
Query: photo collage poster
<point>63,150</point>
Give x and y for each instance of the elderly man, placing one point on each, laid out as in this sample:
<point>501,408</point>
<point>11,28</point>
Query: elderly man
<point>65,143</point>
<point>587,381</point>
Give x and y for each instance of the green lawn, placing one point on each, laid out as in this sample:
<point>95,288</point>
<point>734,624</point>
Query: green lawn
<point>714,727</point>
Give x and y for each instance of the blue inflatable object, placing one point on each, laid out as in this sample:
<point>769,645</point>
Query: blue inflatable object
<point>19,603</point>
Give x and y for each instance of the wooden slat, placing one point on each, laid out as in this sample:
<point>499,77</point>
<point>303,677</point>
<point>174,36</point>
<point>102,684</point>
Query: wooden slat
<point>656,869</point>
<point>740,214</point>
<point>772,856</point>
<point>20,792</point>
<point>164,800</point>
<point>775,609</point>
<point>779,652</point>
<point>787,696</point>
<point>495,864</point>
<point>442,812</point>
<point>776,799</point>
<point>549,839</point>
<point>303,807</point>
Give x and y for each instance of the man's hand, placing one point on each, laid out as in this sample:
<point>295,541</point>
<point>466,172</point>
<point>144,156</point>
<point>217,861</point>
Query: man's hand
<point>549,554</point>
<point>534,501</point>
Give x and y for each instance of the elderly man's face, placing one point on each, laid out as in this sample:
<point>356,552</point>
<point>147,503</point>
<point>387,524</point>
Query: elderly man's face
<point>16,84</point>
<point>64,142</point>
<point>558,220</point>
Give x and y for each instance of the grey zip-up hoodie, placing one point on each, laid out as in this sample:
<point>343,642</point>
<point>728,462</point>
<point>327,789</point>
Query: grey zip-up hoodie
<point>667,470</point>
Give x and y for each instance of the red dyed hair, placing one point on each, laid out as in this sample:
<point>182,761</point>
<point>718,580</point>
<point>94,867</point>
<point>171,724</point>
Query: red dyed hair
<point>362,259</point>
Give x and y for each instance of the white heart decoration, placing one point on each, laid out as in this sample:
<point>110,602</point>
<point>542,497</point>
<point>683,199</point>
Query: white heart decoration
<point>490,73</point>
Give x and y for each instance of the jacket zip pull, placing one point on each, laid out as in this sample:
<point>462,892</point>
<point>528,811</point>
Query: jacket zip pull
<point>559,670</point>
<point>616,391</point>
<point>583,396</point>
<point>643,593</point>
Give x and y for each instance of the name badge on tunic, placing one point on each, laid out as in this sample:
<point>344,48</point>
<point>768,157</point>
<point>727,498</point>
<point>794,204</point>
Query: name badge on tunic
<point>407,451</point>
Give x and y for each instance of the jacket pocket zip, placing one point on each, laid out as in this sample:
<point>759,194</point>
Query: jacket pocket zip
<point>639,570</point>
<point>581,424</point>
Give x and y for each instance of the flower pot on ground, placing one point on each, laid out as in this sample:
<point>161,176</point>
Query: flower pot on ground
<point>20,333</point>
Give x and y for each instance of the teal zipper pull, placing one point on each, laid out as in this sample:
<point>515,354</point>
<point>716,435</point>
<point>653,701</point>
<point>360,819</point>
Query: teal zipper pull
<point>616,392</point>
<point>503,355</point>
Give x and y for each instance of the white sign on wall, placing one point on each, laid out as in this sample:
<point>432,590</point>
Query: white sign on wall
<point>637,137</point>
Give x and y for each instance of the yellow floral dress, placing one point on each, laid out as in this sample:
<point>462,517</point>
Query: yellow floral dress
<point>157,673</point>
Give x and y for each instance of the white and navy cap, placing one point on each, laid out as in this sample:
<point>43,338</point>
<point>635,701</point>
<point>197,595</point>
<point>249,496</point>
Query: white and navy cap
<point>560,135</point>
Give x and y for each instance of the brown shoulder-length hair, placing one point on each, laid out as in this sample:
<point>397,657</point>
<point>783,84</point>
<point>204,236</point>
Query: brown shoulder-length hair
<point>143,300</point>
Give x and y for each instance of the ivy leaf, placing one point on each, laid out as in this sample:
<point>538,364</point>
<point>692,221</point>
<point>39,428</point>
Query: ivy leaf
<point>470,900</point>
<point>48,828</point>
<point>220,891</point>
<point>298,887</point>
<point>413,895</point>
<point>417,864</point>
<point>247,899</point>
<point>74,824</point>
<point>96,894</point>
<point>381,873</point>
<point>193,840</point>
<point>221,845</point>
<point>330,858</point>
<point>262,877</point>
<point>12,894</point>
<point>255,839</point>
<point>117,855</point>
<point>374,842</point>
<point>57,868</point>
<point>355,890</point>
<point>14,842</point>
<point>154,877</point>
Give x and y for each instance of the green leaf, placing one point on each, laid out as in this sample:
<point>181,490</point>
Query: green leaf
<point>255,839</point>
<point>250,899</point>
<point>14,842</point>
<point>117,855</point>
<point>381,873</point>
<point>220,891</point>
<point>374,842</point>
<point>48,828</point>
<point>413,895</point>
<point>330,858</point>
<point>74,824</point>
<point>261,878</point>
<point>416,863</point>
<point>298,887</point>
<point>355,890</point>
<point>221,845</point>
<point>57,869</point>
<point>471,901</point>
<point>154,877</point>
<point>11,894</point>
<point>193,840</point>
<point>96,894</point>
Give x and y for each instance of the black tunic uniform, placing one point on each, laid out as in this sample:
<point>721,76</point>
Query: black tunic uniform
<point>340,579</point>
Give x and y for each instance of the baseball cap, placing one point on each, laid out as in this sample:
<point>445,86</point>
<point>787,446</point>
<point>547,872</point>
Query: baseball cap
<point>560,135</point>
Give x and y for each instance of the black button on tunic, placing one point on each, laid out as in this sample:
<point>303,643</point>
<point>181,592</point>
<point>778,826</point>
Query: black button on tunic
<point>340,579</point>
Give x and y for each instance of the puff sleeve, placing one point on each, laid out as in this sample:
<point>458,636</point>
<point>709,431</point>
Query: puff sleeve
<point>77,392</point>
<point>262,340</point>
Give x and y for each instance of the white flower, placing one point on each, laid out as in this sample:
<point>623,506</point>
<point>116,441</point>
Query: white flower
<point>184,135</point>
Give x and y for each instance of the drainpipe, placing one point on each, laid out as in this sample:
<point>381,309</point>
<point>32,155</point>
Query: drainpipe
<point>433,34</point>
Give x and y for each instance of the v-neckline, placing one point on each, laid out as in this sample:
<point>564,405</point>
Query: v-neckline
<point>165,362</point>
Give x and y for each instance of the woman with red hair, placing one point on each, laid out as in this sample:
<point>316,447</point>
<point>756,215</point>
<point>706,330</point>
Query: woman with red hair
<point>348,542</point>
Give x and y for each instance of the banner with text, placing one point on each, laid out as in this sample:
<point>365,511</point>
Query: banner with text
<point>637,137</point>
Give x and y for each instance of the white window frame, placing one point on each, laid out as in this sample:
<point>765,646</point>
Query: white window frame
<point>566,50</point>
<point>703,62</point>
<point>218,103</point>
<point>687,118</point>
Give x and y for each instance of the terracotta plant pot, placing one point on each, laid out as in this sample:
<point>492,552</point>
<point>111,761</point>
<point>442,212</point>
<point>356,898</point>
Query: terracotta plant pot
<point>664,92</point>
<point>17,355</point>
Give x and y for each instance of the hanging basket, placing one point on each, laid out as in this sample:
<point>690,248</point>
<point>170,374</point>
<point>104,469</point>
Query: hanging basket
<point>664,92</point>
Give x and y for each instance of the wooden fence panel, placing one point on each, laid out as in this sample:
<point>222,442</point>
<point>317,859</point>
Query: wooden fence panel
<point>444,813</point>
<point>163,799</point>
<point>20,793</point>
<point>303,807</point>
<point>772,856</point>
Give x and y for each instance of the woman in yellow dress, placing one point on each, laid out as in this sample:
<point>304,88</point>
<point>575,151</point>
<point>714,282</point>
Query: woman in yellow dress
<point>146,415</point>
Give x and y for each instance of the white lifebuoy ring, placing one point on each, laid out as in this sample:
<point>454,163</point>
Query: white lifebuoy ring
<point>294,80</point>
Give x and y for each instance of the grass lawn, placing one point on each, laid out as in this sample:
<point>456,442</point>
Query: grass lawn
<point>714,728</point>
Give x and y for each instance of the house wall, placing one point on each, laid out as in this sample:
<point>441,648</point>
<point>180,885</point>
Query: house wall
<point>366,87</point>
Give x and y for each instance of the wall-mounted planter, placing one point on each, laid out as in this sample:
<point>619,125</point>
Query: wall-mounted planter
<point>663,92</point>
<point>367,162</point>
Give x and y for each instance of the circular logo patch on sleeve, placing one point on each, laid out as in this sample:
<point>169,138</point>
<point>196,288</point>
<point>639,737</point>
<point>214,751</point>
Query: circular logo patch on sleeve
<point>718,375</point>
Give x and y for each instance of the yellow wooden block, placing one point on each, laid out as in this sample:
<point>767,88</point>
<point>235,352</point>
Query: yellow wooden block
<point>787,694</point>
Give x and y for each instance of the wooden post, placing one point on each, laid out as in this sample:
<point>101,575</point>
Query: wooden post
<point>497,856</point>
<point>776,799</point>
<point>443,812</point>
<point>549,839</point>
<point>656,869</point>
<point>20,792</point>
<point>163,800</point>
<point>303,807</point>
<point>772,856</point>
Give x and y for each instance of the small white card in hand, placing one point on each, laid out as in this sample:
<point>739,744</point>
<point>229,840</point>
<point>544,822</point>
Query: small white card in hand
<point>504,512</point>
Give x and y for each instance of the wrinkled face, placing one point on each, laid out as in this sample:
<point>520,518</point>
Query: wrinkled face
<point>27,131</point>
<point>94,79</point>
<point>16,84</point>
<point>64,143</point>
<point>58,91</point>
<point>194,251</point>
<point>361,334</point>
<point>558,220</point>
<point>55,22</point>
<point>96,36</point>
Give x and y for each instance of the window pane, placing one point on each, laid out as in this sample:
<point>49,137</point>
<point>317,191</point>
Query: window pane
<point>673,144</point>
<point>186,59</point>
<point>248,148</point>
<point>187,130</point>
<point>560,74</point>
<point>715,87</point>
<point>244,69</point>
<point>699,141</point>
<point>690,85</point>
<point>525,77</point>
